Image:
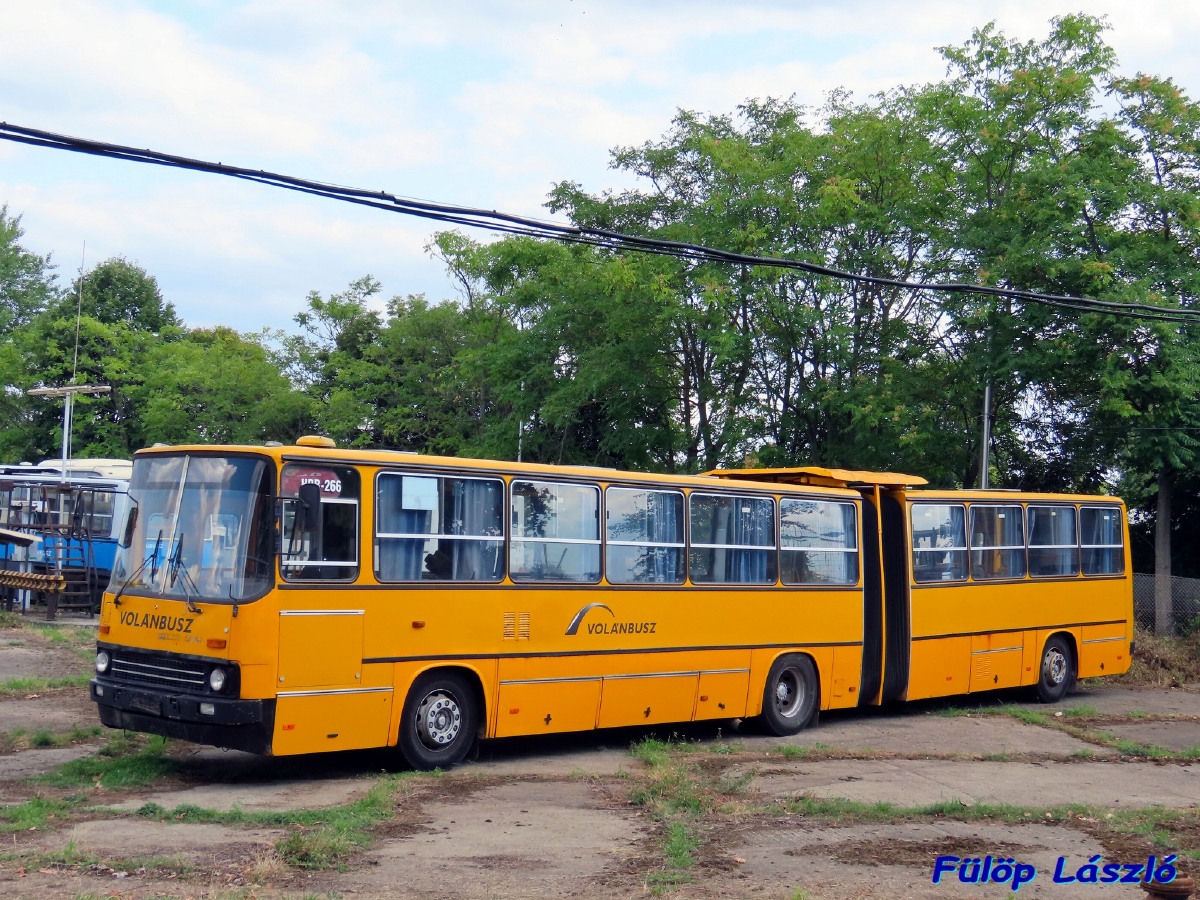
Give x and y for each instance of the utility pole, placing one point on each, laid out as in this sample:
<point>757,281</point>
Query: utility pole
<point>985,444</point>
<point>67,395</point>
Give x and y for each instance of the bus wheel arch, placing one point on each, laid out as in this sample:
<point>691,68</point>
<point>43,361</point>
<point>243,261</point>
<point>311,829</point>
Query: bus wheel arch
<point>791,694</point>
<point>1058,666</point>
<point>441,719</point>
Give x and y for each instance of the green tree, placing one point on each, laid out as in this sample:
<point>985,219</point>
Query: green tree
<point>214,386</point>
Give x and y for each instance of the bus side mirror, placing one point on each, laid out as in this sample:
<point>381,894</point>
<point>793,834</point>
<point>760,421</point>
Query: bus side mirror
<point>309,509</point>
<point>130,527</point>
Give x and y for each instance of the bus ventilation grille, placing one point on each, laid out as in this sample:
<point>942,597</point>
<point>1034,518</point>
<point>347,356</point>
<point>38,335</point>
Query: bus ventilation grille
<point>158,671</point>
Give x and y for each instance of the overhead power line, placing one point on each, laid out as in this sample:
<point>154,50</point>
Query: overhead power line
<point>507,223</point>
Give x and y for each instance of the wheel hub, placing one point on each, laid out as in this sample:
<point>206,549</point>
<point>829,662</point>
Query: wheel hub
<point>439,720</point>
<point>1056,666</point>
<point>789,693</point>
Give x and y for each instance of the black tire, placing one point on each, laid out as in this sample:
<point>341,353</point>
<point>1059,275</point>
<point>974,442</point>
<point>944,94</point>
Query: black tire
<point>791,697</point>
<point>440,720</point>
<point>1057,673</point>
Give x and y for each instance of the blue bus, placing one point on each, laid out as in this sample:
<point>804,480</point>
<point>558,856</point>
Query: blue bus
<point>75,519</point>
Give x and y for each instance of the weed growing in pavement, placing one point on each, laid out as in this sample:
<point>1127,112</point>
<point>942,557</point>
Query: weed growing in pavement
<point>1083,710</point>
<point>122,763</point>
<point>9,620</point>
<point>1137,714</point>
<point>996,757</point>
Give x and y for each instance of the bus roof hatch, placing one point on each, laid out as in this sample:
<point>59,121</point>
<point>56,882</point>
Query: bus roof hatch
<point>819,475</point>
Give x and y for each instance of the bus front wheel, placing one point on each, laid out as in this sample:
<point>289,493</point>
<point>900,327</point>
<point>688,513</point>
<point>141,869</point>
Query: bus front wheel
<point>439,721</point>
<point>792,695</point>
<point>1058,670</point>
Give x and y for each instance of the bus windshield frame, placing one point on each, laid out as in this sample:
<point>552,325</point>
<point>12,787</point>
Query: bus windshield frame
<point>204,529</point>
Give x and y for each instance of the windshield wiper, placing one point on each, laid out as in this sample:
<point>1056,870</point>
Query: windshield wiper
<point>152,558</point>
<point>176,570</point>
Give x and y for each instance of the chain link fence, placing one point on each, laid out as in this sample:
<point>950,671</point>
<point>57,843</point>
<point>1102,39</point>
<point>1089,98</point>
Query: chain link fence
<point>1185,600</point>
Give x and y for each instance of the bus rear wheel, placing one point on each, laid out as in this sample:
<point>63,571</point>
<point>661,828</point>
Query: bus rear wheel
<point>439,721</point>
<point>1058,670</point>
<point>792,695</point>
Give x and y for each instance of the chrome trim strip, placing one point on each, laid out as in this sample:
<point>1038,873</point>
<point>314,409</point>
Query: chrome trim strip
<point>322,612</point>
<point>723,671</point>
<point>549,680</point>
<point>1120,637</point>
<point>372,690</point>
<point>999,650</point>
<point>651,675</point>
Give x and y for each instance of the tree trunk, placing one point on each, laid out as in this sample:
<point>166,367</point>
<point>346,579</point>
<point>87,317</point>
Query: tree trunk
<point>1164,622</point>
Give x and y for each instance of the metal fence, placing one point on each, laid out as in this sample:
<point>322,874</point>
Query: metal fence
<point>1185,600</point>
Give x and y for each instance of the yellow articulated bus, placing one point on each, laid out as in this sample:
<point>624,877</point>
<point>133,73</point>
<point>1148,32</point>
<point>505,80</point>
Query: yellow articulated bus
<point>295,599</point>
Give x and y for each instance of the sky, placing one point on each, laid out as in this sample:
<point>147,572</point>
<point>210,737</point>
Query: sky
<point>480,104</point>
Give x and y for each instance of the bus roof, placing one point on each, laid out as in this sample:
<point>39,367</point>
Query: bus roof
<point>400,457</point>
<point>819,475</point>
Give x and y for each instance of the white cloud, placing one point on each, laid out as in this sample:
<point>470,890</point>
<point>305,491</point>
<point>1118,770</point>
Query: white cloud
<point>480,104</point>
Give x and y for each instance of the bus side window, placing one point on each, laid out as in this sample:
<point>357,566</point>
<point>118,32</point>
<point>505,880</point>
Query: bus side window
<point>939,542</point>
<point>997,542</point>
<point>644,536</point>
<point>328,550</point>
<point>733,539</point>
<point>1053,541</point>
<point>434,528</point>
<point>818,542</point>
<point>555,532</point>
<point>1103,540</point>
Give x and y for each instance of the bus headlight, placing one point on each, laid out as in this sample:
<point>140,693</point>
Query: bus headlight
<point>216,679</point>
<point>102,661</point>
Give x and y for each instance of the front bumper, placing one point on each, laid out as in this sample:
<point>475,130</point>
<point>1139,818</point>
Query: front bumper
<point>234,724</point>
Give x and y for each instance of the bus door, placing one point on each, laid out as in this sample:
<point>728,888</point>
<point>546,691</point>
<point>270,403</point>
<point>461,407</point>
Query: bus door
<point>896,601</point>
<point>323,700</point>
<point>872,658</point>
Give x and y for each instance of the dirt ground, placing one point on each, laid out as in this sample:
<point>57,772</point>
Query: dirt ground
<point>861,806</point>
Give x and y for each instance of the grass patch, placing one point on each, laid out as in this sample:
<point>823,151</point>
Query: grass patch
<point>791,751</point>
<point>15,687</point>
<point>1162,661</point>
<point>671,792</point>
<point>1083,710</point>
<point>1028,716</point>
<point>317,839</point>
<point>651,751</point>
<point>1133,748</point>
<point>37,813</point>
<point>122,763</point>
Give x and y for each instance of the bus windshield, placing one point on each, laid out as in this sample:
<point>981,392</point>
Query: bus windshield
<point>202,529</point>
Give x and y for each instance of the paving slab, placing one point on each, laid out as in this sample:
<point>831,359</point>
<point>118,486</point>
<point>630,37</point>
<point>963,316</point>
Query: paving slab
<point>930,733</point>
<point>1121,701</point>
<point>919,782</point>
<point>501,760</point>
<point>1178,736</point>
<point>896,861</point>
<point>128,838</point>
<point>59,713</point>
<point>281,795</point>
<point>515,840</point>
<point>24,662</point>
<point>36,761</point>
